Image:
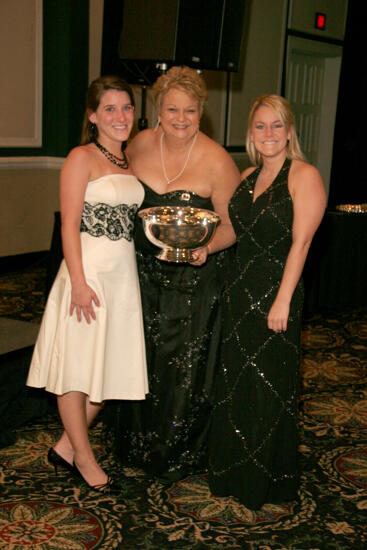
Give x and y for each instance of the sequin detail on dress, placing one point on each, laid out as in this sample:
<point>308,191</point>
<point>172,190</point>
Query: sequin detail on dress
<point>167,434</point>
<point>115,222</point>
<point>256,409</point>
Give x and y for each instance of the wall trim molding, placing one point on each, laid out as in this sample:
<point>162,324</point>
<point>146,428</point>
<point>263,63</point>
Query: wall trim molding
<point>21,163</point>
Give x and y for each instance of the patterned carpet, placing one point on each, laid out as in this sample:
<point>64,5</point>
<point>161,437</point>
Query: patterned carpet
<point>41,511</point>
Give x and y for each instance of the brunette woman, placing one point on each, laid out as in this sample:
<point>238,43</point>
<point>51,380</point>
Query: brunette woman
<point>91,343</point>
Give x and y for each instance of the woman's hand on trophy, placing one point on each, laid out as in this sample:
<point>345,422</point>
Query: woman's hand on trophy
<point>199,256</point>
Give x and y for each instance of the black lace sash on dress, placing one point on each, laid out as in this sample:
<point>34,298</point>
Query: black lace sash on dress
<point>114,222</point>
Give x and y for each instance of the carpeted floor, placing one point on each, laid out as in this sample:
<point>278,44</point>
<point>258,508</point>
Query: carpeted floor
<point>41,511</point>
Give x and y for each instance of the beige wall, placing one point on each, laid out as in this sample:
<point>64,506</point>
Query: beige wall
<point>30,196</point>
<point>21,73</point>
<point>262,62</point>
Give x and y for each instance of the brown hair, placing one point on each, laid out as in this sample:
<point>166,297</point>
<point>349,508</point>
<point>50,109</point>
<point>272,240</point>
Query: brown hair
<point>283,109</point>
<point>94,94</point>
<point>183,78</point>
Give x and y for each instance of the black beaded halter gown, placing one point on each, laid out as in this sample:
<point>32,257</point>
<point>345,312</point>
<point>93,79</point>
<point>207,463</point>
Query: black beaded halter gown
<point>253,443</point>
<point>167,434</point>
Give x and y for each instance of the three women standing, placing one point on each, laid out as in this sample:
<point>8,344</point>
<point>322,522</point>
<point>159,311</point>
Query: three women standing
<point>275,212</point>
<point>91,345</point>
<point>91,342</point>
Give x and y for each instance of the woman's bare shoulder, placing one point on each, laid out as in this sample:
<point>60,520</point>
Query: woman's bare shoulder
<point>215,154</point>
<point>304,175</point>
<point>81,151</point>
<point>81,155</point>
<point>209,145</point>
<point>305,180</point>
<point>247,172</point>
<point>301,168</point>
<point>141,141</point>
<point>218,165</point>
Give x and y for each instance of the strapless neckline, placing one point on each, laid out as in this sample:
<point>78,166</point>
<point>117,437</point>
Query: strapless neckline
<point>175,191</point>
<point>113,175</point>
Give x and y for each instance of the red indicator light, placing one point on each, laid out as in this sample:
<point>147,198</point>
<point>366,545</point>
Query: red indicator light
<point>320,21</point>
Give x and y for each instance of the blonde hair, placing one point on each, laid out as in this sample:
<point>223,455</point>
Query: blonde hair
<point>183,78</point>
<point>283,109</point>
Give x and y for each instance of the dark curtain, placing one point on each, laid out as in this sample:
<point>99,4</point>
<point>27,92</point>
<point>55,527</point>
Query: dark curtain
<point>348,178</point>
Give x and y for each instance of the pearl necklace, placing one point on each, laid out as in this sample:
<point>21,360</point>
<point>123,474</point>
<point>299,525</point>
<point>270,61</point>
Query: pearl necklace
<point>185,163</point>
<point>121,163</point>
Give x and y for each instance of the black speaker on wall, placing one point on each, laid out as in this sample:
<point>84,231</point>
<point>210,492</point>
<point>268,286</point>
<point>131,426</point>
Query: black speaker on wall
<point>204,34</point>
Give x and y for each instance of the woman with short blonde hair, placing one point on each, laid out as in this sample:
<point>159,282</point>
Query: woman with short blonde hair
<point>183,78</point>
<point>179,166</point>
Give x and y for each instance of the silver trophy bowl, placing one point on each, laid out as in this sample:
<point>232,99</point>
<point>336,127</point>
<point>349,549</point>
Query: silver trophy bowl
<point>178,230</point>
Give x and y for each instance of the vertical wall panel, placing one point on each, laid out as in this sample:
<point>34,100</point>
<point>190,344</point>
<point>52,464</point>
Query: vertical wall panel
<point>21,73</point>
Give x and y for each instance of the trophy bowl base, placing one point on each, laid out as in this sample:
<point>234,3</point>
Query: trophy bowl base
<point>177,255</point>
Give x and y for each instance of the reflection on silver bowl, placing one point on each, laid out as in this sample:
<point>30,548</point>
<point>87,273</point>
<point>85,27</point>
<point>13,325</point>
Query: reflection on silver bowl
<point>178,230</point>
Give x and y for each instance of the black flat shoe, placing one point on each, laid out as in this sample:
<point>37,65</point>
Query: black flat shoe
<point>56,460</point>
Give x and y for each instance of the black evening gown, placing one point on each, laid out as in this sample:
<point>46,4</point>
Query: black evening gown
<point>167,433</point>
<point>253,441</point>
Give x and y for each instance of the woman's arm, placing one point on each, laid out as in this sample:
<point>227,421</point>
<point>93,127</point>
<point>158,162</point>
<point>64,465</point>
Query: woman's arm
<point>227,179</point>
<point>309,201</point>
<point>73,182</point>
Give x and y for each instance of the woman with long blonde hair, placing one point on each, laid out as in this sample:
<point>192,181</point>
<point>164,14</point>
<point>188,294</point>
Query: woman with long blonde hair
<point>275,212</point>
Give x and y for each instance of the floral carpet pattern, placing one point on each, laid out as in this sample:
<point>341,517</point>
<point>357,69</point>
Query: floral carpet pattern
<point>39,510</point>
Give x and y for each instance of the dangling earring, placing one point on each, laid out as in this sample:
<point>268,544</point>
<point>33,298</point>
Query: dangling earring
<point>94,130</point>
<point>157,125</point>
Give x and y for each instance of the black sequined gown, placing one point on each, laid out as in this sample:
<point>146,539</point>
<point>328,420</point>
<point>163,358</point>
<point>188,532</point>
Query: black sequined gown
<point>167,434</point>
<point>253,443</point>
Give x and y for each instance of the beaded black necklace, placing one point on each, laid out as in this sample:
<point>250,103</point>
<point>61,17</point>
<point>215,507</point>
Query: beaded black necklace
<point>121,163</point>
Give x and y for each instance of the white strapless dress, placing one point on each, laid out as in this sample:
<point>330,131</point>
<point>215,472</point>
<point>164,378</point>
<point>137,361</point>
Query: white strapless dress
<point>106,358</point>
